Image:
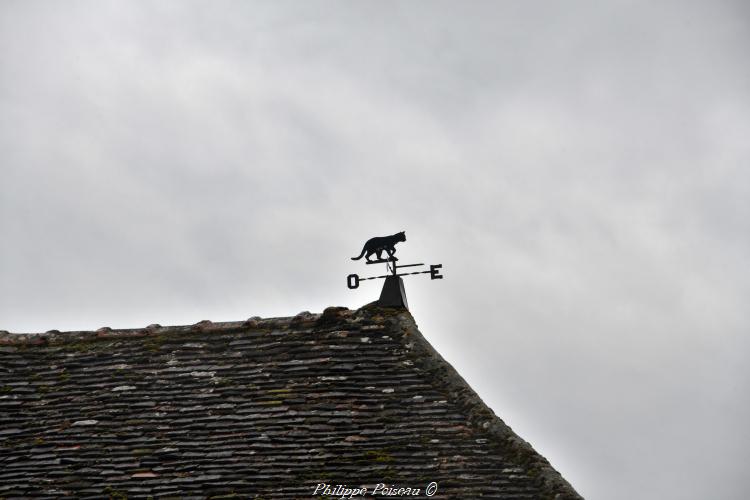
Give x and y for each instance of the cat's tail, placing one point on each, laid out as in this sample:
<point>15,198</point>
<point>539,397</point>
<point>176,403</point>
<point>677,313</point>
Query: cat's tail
<point>360,255</point>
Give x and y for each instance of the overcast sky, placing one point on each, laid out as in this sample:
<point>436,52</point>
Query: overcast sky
<point>579,168</point>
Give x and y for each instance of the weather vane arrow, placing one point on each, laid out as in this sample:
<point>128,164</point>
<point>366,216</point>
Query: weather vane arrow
<point>393,294</point>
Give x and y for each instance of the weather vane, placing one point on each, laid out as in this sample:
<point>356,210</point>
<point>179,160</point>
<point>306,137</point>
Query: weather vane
<point>393,294</point>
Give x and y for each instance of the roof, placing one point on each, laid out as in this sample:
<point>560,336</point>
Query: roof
<point>263,408</point>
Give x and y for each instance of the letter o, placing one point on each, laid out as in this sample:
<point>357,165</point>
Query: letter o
<point>352,281</point>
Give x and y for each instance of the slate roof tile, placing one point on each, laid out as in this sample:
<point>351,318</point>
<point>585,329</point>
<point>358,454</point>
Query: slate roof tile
<point>262,407</point>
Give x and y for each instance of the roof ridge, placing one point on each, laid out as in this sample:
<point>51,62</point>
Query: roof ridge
<point>255,322</point>
<point>480,415</point>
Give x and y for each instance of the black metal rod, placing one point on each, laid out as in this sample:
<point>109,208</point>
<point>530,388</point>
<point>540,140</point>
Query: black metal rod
<point>399,274</point>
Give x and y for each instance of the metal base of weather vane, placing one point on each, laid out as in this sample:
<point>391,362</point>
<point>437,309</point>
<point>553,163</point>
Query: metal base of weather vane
<point>393,293</point>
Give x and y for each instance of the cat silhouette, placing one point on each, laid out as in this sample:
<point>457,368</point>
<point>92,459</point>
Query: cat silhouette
<point>379,244</point>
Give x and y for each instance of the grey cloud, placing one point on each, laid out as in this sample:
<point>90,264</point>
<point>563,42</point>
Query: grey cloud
<point>579,169</point>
